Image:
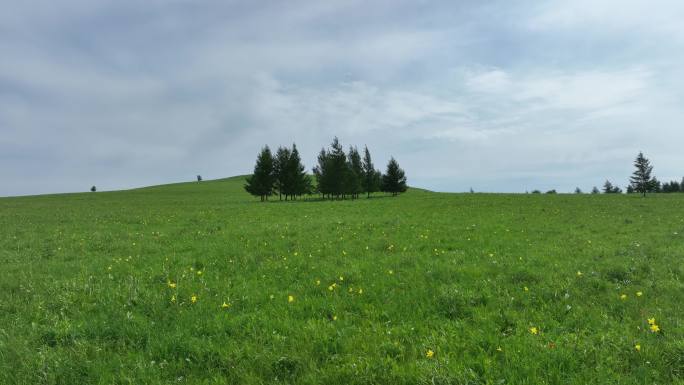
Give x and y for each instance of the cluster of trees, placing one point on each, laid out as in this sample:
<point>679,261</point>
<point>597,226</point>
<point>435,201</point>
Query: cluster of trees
<point>337,175</point>
<point>641,181</point>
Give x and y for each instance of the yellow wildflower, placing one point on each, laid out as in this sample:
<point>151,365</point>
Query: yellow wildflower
<point>334,318</point>
<point>360,291</point>
<point>655,328</point>
<point>499,349</point>
<point>391,272</point>
<point>637,347</point>
<point>171,284</point>
<point>225,305</point>
<point>651,321</point>
<point>639,294</point>
<point>623,297</point>
<point>290,298</point>
<point>341,278</point>
<point>199,272</point>
<point>534,330</point>
<point>526,289</point>
<point>331,287</point>
<point>193,299</point>
<point>429,353</point>
<point>318,282</point>
<point>579,273</point>
<point>173,298</point>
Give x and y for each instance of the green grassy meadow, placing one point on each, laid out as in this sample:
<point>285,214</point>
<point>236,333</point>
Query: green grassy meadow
<point>423,288</point>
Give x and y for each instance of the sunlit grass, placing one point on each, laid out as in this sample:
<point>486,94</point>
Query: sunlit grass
<point>200,283</point>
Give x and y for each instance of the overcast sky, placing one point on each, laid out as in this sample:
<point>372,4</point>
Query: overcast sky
<point>494,95</point>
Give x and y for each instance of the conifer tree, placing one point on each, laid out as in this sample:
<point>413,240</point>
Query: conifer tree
<point>394,180</point>
<point>370,175</point>
<point>337,163</point>
<point>93,189</point>
<point>595,190</point>
<point>354,185</point>
<point>260,183</point>
<point>578,190</point>
<point>322,174</point>
<point>297,177</point>
<point>630,189</point>
<point>641,179</point>
<point>607,187</point>
<point>282,173</point>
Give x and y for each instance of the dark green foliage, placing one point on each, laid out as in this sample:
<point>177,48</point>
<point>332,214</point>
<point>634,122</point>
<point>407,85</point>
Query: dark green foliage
<point>630,189</point>
<point>608,188</point>
<point>578,190</point>
<point>337,167</point>
<point>261,182</point>
<point>355,176</point>
<point>281,172</point>
<point>641,179</point>
<point>322,173</point>
<point>199,178</point>
<point>671,187</point>
<point>394,180</point>
<point>595,190</point>
<point>371,176</point>
<point>93,189</point>
<point>536,192</point>
<point>551,191</point>
<point>300,181</point>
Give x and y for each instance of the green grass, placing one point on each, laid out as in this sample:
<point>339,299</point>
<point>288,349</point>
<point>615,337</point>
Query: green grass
<point>85,296</point>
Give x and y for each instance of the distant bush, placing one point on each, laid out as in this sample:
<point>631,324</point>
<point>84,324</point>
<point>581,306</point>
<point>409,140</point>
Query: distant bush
<point>93,189</point>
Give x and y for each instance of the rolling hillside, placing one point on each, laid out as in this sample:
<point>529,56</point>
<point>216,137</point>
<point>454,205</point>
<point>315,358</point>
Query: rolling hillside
<point>199,283</point>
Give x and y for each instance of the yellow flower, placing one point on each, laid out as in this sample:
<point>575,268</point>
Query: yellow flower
<point>391,272</point>
<point>637,347</point>
<point>655,328</point>
<point>290,298</point>
<point>318,282</point>
<point>351,290</point>
<point>429,353</point>
<point>360,291</point>
<point>526,289</point>
<point>193,299</point>
<point>341,278</point>
<point>172,284</point>
<point>639,294</point>
<point>199,272</point>
<point>534,330</point>
<point>271,296</point>
<point>579,273</point>
<point>623,297</point>
<point>331,287</point>
<point>499,349</point>
<point>225,305</point>
<point>173,298</point>
<point>334,318</point>
<point>651,321</point>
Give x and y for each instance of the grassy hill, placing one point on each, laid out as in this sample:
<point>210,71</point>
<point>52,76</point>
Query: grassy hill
<point>199,283</point>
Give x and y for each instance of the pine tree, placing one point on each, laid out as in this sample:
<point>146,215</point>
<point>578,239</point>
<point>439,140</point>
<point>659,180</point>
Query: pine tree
<point>607,187</point>
<point>578,190</point>
<point>354,182</point>
<point>630,189</point>
<point>337,163</point>
<point>283,182</point>
<point>641,179</point>
<point>261,182</point>
<point>93,189</point>
<point>595,190</point>
<point>300,181</point>
<point>322,174</point>
<point>394,180</point>
<point>370,177</point>
<point>199,178</point>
